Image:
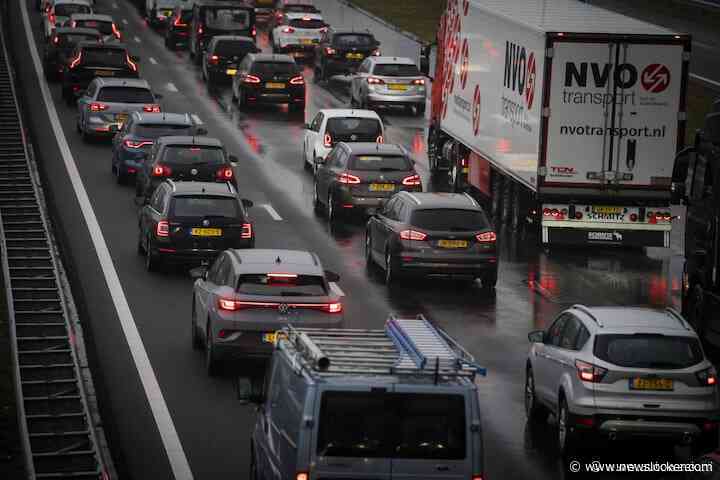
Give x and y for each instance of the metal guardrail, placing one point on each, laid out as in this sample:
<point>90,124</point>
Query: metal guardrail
<point>58,433</point>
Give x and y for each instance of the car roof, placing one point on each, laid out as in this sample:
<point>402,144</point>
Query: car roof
<point>270,57</point>
<point>300,262</point>
<point>91,44</point>
<point>189,140</point>
<point>76,2</point>
<point>91,16</point>
<point>392,60</point>
<point>221,3</point>
<point>298,2</point>
<point>308,15</point>
<point>441,200</point>
<point>163,117</point>
<point>81,31</point>
<point>224,189</point>
<point>349,32</point>
<point>231,38</point>
<point>367,148</point>
<point>348,112</point>
<point>633,320</point>
<point>122,82</point>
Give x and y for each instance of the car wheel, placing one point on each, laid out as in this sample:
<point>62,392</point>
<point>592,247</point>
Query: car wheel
<point>391,270</point>
<point>120,176</point>
<point>211,364</point>
<point>534,411</point>
<point>196,341</point>
<point>140,247</point>
<point>331,211</point>
<point>317,205</point>
<point>565,434</point>
<point>152,262</point>
<point>369,262</point>
<point>489,280</point>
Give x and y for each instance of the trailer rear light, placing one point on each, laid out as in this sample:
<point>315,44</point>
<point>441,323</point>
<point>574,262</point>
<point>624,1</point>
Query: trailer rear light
<point>418,81</point>
<point>330,51</point>
<point>412,180</point>
<point>247,231</point>
<point>138,144</point>
<point>578,215</point>
<point>555,212</point>
<point>214,59</point>
<point>288,30</point>
<point>161,171</point>
<point>707,377</point>
<point>587,372</point>
<point>327,141</point>
<point>162,229</point>
<point>546,212</point>
<point>97,107</point>
<point>375,81</point>
<point>251,79</point>
<point>299,80</point>
<point>413,235</point>
<point>224,174</point>
<point>151,108</point>
<point>348,179</point>
<point>486,237</point>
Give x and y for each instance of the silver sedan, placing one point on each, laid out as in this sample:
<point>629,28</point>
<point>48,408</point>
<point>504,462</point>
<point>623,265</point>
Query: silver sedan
<point>388,81</point>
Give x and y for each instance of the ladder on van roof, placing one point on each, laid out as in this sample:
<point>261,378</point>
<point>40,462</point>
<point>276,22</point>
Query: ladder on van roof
<point>407,346</point>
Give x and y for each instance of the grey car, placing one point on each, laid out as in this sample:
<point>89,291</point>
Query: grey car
<point>247,295</point>
<point>104,24</point>
<point>388,81</point>
<point>107,103</point>
<point>622,372</point>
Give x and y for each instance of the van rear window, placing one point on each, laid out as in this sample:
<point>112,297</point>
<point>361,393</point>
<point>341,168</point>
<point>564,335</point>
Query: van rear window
<point>393,425</point>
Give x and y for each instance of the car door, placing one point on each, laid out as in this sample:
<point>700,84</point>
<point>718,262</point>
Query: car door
<point>311,137</point>
<point>153,211</point>
<point>84,100</point>
<point>384,225</point>
<point>203,290</point>
<point>360,78</point>
<point>563,356</point>
<point>543,365</point>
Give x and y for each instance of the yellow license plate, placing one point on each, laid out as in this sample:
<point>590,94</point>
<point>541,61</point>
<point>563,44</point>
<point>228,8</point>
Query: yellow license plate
<point>607,209</point>
<point>274,86</point>
<point>354,56</point>
<point>397,86</point>
<point>452,243</point>
<point>206,232</point>
<point>269,337</point>
<point>231,71</point>
<point>382,187</point>
<point>306,41</point>
<point>651,384</point>
<point>104,73</point>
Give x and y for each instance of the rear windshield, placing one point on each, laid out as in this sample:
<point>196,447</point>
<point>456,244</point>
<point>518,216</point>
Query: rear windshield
<point>648,351</point>
<point>204,206</point>
<point>282,284</point>
<point>354,40</point>
<point>344,128</point>
<point>449,219</point>
<point>233,48</point>
<point>101,26</point>
<point>396,70</point>
<point>301,9</point>
<point>67,9</point>
<point>104,57</point>
<point>148,130</point>
<point>71,39</point>
<point>405,425</point>
<point>184,155</point>
<point>268,69</point>
<point>186,16</point>
<point>227,18</point>
<point>125,95</point>
<point>311,23</point>
<point>382,163</point>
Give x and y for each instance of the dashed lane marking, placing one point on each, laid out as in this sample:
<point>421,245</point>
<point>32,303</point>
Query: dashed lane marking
<point>124,21</point>
<point>196,119</point>
<point>273,213</point>
<point>171,87</point>
<point>705,80</point>
<point>115,6</point>
<point>137,39</point>
<point>153,61</point>
<point>336,289</point>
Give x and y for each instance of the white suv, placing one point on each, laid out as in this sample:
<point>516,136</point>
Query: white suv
<point>622,372</point>
<point>331,126</point>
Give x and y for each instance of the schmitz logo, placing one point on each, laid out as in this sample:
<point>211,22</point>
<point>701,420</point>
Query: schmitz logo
<point>655,78</point>
<point>476,110</point>
<point>519,82</point>
<point>605,236</point>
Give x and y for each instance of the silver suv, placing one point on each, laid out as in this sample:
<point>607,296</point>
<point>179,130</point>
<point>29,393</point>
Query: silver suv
<point>388,81</point>
<point>622,372</point>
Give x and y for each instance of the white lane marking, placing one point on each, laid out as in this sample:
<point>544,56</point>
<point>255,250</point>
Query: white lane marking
<point>273,213</point>
<point>168,434</point>
<point>705,80</point>
<point>171,87</point>
<point>196,119</point>
<point>124,21</point>
<point>153,61</point>
<point>137,39</point>
<point>336,289</point>
<point>706,46</point>
<point>115,6</point>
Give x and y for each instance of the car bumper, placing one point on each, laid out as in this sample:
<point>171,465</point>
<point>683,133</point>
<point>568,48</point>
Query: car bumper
<point>130,165</point>
<point>342,66</point>
<point>274,98</point>
<point>476,265</point>
<point>170,254</point>
<point>400,99</point>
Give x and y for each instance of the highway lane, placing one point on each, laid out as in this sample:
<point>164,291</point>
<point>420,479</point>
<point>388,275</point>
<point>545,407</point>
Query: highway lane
<point>213,429</point>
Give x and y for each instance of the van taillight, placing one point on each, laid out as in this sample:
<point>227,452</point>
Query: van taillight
<point>162,229</point>
<point>247,231</point>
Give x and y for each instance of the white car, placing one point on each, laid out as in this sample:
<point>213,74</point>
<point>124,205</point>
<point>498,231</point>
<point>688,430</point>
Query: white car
<point>60,12</point>
<point>331,126</point>
<point>299,35</point>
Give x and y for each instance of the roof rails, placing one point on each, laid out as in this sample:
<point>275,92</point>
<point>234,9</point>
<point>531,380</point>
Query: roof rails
<point>674,313</point>
<point>589,313</point>
<point>407,346</point>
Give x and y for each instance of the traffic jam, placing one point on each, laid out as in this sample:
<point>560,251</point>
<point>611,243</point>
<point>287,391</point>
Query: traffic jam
<point>427,179</point>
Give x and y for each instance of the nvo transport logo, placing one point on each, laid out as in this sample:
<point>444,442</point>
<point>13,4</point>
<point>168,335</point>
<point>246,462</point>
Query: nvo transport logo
<point>654,78</point>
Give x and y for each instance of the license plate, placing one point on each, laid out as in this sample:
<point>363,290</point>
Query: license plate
<point>274,86</point>
<point>306,41</point>
<point>121,118</point>
<point>397,86</point>
<point>206,232</point>
<point>104,73</point>
<point>231,71</point>
<point>382,187</point>
<point>651,384</point>
<point>168,13</point>
<point>354,56</point>
<point>452,243</point>
<point>607,209</point>
<point>269,337</point>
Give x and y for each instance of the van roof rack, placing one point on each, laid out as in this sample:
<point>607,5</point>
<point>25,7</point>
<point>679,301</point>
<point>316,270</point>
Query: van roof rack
<point>407,346</point>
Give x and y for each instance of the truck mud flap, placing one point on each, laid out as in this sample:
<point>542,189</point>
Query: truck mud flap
<point>612,237</point>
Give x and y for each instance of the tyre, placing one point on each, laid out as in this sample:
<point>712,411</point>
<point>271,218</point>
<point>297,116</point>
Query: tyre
<point>211,362</point>
<point>317,205</point>
<point>566,436</point>
<point>534,411</point>
<point>196,340</point>
<point>369,261</point>
<point>306,165</point>
<point>489,280</point>
<point>392,270</point>
<point>332,213</point>
<point>152,261</point>
<point>140,247</point>
<point>420,110</point>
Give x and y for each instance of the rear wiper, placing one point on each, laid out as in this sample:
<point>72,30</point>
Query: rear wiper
<point>390,169</point>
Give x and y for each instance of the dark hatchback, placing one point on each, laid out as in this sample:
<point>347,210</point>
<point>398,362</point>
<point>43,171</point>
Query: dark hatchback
<point>264,78</point>
<point>60,48</point>
<point>432,234</point>
<point>90,60</point>
<point>341,52</point>
<point>192,222</point>
<point>199,159</point>
<point>359,176</point>
<point>177,31</point>
<point>224,55</point>
<point>219,17</point>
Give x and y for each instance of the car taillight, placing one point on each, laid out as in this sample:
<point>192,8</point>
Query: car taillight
<point>301,476</point>
<point>477,477</point>
<point>253,32</point>
<point>707,377</point>
<point>179,23</point>
<point>224,174</point>
<point>214,59</point>
<point>247,231</point>
<point>633,217</point>
<point>56,39</point>
<point>587,372</point>
<point>327,140</point>
<point>288,30</point>
<point>97,107</point>
<point>348,179</point>
<point>486,237</point>
<point>162,229</point>
<point>330,51</point>
<point>332,307</point>
<point>376,52</point>
<point>76,61</point>
<point>413,235</point>
<point>138,144</point>
<point>115,31</point>
<point>51,19</point>
<point>375,81</point>
<point>299,80</point>
<point>412,180</point>
<point>200,30</point>
<point>380,139</point>
<point>130,63</point>
<point>228,304</point>
<point>323,30</point>
<point>251,79</point>
<point>418,81</point>
<point>161,171</point>
<point>152,108</point>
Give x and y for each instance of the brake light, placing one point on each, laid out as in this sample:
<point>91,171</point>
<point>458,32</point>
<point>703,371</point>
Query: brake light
<point>348,179</point>
<point>97,107</point>
<point>214,59</point>
<point>330,51</point>
<point>375,81</point>
<point>413,235</point>
<point>73,24</point>
<point>56,39</point>
<point>247,231</point>
<point>546,212</point>
<point>161,171</point>
<point>225,173</point>
<point>302,476</point>
<point>288,30</point>
<point>282,275</point>
<point>130,63</point>
<point>323,30</point>
<point>233,305</point>
<point>200,30</point>
<point>418,81</point>
<point>486,237</point>
<point>412,180</point>
<point>51,19</point>
<point>162,229</point>
<point>327,140</point>
<point>587,372</point>
<point>75,61</point>
<point>228,304</point>
<point>151,108</point>
<point>139,144</point>
<point>251,79</point>
<point>707,377</point>
<point>477,477</point>
<point>333,307</point>
<point>299,80</point>
<point>306,19</point>
<point>115,31</point>
<point>253,32</point>
<point>376,52</point>
<point>380,139</point>
<point>179,23</point>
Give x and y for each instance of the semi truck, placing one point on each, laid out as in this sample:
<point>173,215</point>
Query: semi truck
<point>560,116</point>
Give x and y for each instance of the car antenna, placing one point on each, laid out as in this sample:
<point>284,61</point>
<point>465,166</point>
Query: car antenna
<point>277,260</point>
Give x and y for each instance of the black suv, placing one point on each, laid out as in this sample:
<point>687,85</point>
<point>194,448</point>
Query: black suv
<point>177,30</point>
<point>342,51</point>
<point>267,78</point>
<point>90,60</point>
<point>223,56</point>
<point>192,222</point>
<point>432,234</point>
<point>60,47</point>
<point>199,159</point>
<point>219,17</point>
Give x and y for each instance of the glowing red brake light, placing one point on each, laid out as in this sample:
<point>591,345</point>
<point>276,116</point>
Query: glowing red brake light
<point>162,229</point>
<point>251,79</point>
<point>152,108</point>
<point>224,174</point>
<point>486,237</point>
<point>115,31</point>
<point>75,61</point>
<point>336,307</point>
<point>347,178</point>
<point>376,53</point>
<point>413,235</point>
<point>327,141</point>
<point>214,59</point>
<point>375,81</point>
<point>228,304</point>
<point>301,476</point>
<point>130,63</point>
<point>418,81</point>
<point>380,139</point>
<point>707,377</point>
<point>200,30</point>
<point>330,51</point>
<point>161,171</point>
<point>412,180</point>
<point>254,31</point>
<point>98,107</point>
<point>299,80</point>
<point>247,231</point>
<point>179,23</point>
<point>138,144</point>
<point>587,372</point>
<point>56,39</point>
<point>51,18</point>
<point>288,30</point>
<point>282,275</point>
<point>306,19</point>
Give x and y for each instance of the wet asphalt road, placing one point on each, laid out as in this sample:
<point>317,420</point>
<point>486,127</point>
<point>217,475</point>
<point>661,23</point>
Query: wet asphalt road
<point>214,430</point>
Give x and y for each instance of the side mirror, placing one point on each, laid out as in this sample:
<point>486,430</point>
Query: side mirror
<point>711,130</point>
<point>249,390</point>
<point>331,276</point>
<point>537,336</point>
<point>320,160</point>
<point>198,272</point>
<point>158,96</point>
<point>201,131</point>
<point>247,203</point>
<point>306,126</point>
<point>232,158</point>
